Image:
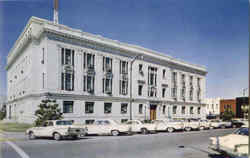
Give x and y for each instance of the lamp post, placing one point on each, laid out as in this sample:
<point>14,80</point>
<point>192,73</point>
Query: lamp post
<point>138,57</point>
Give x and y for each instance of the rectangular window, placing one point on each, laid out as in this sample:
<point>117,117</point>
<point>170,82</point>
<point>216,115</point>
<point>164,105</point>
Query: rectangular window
<point>183,109</point>
<point>67,81</point>
<point>174,110</point>
<point>107,108</point>
<point>191,110</point>
<point>140,108</point>
<point>88,83</point>
<point>124,108</point>
<point>89,107</point>
<point>123,87</point>
<point>43,76</point>
<point>107,85</point>
<point>89,122</point>
<point>67,56</point>
<point>107,64</point>
<point>164,109</point>
<point>163,92</point>
<point>123,67</point>
<point>68,106</point>
<point>89,61</point>
<point>163,73</point>
<point>199,110</point>
<point>42,56</point>
<point>140,68</point>
<point>140,90</point>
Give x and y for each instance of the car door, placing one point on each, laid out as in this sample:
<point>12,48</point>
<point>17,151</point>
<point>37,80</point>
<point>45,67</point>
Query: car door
<point>47,130</point>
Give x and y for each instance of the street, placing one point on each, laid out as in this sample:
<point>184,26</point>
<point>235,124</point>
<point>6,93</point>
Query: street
<point>161,145</point>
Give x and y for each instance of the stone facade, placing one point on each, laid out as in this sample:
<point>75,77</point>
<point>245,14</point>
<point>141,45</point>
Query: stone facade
<point>89,76</point>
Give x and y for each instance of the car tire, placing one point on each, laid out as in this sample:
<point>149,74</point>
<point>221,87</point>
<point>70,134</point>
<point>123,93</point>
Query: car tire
<point>170,130</point>
<point>31,136</point>
<point>57,136</point>
<point>187,129</point>
<point>144,131</point>
<point>115,133</point>
<point>234,126</point>
<point>76,137</point>
<point>223,127</point>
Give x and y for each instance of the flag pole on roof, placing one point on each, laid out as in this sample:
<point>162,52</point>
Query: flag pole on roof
<point>56,11</point>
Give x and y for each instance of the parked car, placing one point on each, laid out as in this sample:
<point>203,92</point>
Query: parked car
<point>235,144</point>
<point>58,129</point>
<point>219,124</point>
<point>204,124</point>
<point>107,127</point>
<point>138,126</point>
<point>168,125</point>
<point>191,125</point>
<point>236,124</point>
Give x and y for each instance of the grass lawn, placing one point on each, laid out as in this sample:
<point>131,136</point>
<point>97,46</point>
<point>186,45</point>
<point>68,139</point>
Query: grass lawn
<point>14,127</point>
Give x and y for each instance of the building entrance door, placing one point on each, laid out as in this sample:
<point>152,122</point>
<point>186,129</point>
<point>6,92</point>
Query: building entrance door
<point>153,112</point>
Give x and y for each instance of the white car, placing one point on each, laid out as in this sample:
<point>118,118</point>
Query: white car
<point>107,127</point>
<point>204,124</point>
<point>168,125</point>
<point>235,144</point>
<point>191,125</point>
<point>57,129</point>
<point>138,126</point>
<point>219,124</point>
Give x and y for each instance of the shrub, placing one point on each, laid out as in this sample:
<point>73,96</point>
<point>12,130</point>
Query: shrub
<point>48,110</point>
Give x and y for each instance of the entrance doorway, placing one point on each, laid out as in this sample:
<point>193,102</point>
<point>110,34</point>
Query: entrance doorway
<point>153,112</point>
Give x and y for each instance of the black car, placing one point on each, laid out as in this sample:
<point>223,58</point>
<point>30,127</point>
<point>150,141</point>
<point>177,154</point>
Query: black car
<point>236,124</point>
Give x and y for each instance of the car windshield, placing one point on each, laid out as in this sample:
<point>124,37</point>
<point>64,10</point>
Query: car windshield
<point>242,131</point>
<point>65,122</point>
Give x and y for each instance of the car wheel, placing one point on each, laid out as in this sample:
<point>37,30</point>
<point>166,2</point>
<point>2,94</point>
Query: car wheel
<point>188,129</point>
<point>144,131</point>
<point>223,127</point>
<point>31,136</point>
<point>170,129</point>
<point>76,137</point>
<point>202,128</point>
<point>57,136</point>
<point>234,126</point>
<point>114,133</point>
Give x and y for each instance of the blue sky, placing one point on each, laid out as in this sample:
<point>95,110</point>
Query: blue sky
<point>212,33</point>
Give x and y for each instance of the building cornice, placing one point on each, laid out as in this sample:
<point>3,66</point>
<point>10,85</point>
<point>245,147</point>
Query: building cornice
<point>30,32</point>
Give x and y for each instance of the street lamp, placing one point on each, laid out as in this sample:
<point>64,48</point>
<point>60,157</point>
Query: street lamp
<point>138,57</point>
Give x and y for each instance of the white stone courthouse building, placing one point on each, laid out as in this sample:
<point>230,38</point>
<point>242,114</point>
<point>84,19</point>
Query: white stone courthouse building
<point>89,76</point>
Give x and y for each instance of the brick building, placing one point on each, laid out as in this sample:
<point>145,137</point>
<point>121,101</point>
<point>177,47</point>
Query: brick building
<point>227,104</point>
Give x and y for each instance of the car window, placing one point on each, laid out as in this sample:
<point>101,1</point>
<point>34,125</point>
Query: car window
<point>106,122</point>
<point>129,122</point>
<point>65,122</point>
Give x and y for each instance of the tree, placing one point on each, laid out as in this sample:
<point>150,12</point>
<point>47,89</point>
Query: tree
<point>227,115</point>
<point>3,112</point>
<point>48,110</point>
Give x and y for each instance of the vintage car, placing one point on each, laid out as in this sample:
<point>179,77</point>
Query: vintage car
<point>191,125</point>
<point>138,126</point>
<point>235,144</point>
<point>168,125</point>
<point>204,124</point>
<point>107,127</point>
<point>219,124</point>
<point>237,124</point>
<point>57,129</point>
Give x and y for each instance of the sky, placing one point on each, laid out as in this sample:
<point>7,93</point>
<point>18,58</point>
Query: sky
<point>213,33</point>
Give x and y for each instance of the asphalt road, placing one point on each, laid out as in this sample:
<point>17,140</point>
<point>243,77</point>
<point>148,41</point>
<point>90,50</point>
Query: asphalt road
<point>161,145</point>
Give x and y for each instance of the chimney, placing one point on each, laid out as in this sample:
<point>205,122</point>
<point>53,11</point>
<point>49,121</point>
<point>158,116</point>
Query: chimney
<point>56,11</point>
